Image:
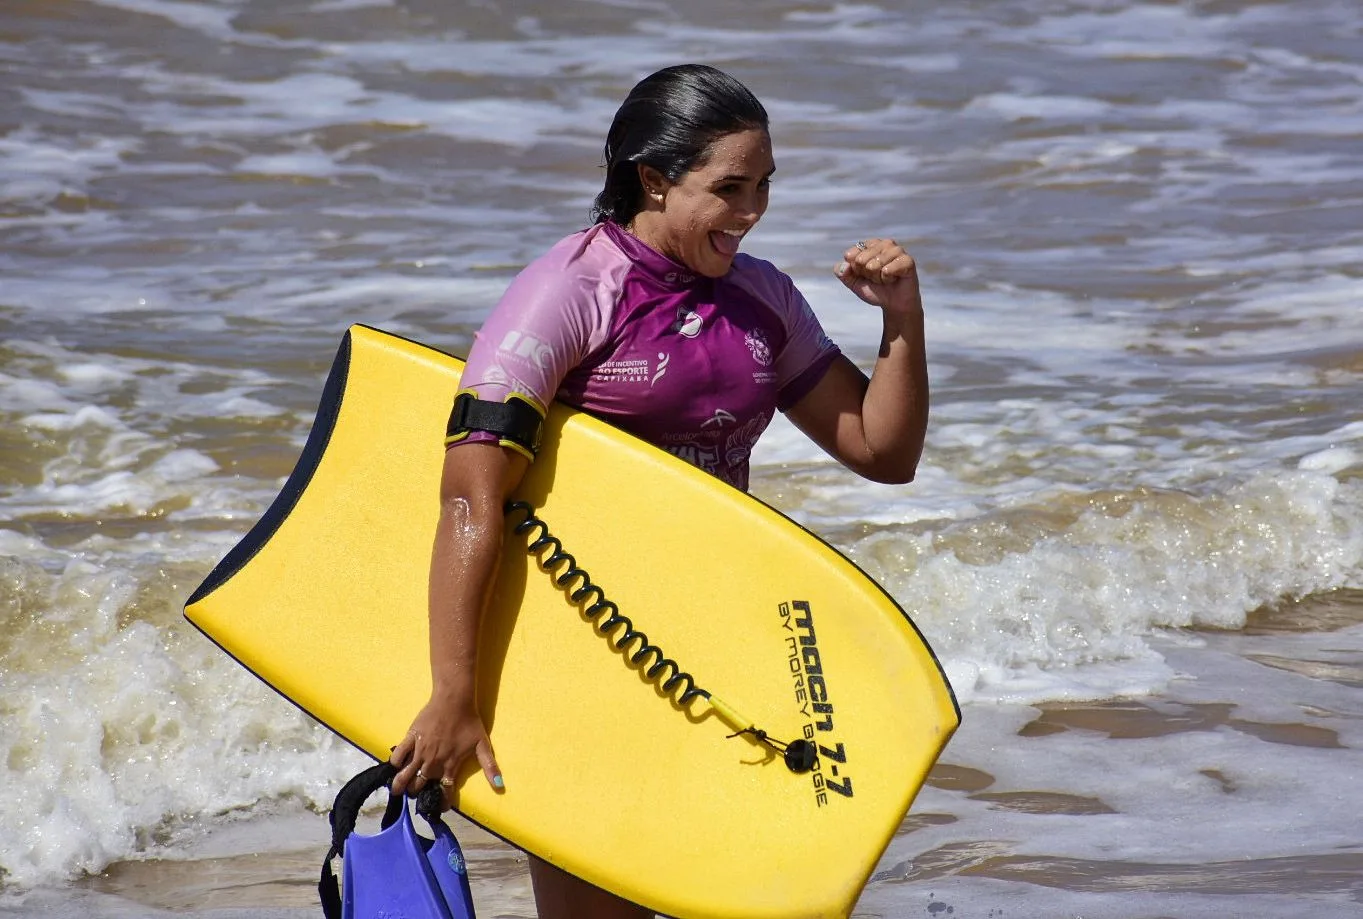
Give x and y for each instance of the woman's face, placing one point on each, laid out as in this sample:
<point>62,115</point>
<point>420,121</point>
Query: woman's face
<point>701,219</point>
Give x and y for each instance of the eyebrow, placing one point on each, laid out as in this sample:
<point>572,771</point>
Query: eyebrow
<point>743,178</point>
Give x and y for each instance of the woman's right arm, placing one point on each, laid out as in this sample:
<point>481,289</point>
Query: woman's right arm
<point>475,483</point>
<point>543,326</point>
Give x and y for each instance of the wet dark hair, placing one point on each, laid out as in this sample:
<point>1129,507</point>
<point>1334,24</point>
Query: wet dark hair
<point>668,121</point>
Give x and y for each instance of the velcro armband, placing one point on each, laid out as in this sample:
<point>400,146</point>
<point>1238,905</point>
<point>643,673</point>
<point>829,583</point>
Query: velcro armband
<point>517,423</point>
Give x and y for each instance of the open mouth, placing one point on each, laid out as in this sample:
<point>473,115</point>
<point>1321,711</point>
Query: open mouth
<point>726,242</point>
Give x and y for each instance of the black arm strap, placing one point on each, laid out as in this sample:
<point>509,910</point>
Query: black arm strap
<point>514,420</point>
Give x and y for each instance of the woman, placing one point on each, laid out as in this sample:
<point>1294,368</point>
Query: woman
<point>652,320</point>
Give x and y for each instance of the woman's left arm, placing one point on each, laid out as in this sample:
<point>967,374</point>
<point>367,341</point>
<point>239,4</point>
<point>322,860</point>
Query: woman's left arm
<point>876,427</point>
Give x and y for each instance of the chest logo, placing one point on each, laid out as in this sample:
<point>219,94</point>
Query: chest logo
<point>719,419</point>
<point>663,361</point>
<point>756,340</point>
<point>688,322</point>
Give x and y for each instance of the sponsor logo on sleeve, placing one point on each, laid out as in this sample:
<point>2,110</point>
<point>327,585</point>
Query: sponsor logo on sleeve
<point>527,347</point>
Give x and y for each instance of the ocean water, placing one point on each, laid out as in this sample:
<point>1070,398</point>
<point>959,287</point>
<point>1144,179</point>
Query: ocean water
<point>1136,538</point>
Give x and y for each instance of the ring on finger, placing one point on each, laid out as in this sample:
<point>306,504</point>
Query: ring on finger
<point>861,244</point>
<point>420,774</point>
<point>446,782</point>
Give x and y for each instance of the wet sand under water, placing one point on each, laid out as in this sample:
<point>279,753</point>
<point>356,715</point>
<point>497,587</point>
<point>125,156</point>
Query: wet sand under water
<point>920,877</point>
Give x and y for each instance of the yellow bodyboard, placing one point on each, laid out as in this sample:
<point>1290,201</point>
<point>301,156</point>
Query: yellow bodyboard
<point>608,775</point>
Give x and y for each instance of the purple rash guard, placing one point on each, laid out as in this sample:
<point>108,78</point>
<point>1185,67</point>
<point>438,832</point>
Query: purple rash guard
<point>692,364</point>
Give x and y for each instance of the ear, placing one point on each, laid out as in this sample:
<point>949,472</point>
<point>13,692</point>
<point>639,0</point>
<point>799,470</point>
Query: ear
<point>655,184</point>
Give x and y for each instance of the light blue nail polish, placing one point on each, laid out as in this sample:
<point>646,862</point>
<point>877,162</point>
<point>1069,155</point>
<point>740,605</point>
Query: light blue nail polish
<point>497,782</point>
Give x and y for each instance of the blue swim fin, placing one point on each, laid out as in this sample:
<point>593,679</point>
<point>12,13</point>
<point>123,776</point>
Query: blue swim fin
<point>397,871</point>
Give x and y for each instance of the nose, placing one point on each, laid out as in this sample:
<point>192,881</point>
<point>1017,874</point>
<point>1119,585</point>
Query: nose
<point>752,207</point>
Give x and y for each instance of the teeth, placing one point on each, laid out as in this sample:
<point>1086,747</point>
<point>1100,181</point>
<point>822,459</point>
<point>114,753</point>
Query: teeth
<point>737,234</point>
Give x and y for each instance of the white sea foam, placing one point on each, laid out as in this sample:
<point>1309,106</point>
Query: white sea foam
<point>1015,106</point>
<point>1331,461</point>
<point>136,725</point>
<point>213,21</point>
<point>1020,601</point>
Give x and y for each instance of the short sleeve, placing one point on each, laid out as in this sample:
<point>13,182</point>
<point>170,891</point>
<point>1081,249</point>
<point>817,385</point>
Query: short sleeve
<point>554,313</point>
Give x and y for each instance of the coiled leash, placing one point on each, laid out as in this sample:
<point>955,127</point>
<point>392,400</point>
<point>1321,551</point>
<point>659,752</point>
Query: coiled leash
<point>609,622</point>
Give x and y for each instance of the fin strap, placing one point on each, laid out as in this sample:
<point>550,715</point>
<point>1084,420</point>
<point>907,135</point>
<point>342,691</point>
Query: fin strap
<point>346,811</point>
